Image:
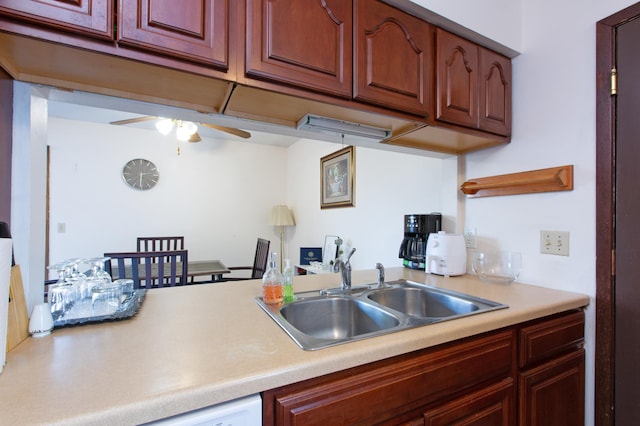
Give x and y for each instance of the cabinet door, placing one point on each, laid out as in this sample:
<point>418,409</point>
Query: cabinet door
<point>88,17</point>
<point>553,393</point>
<point>303,43</point>
<point>197,30</point>
<point>393,57</point>
<point>495,93</point>
<point>456,80</point>
<point>493,405</point>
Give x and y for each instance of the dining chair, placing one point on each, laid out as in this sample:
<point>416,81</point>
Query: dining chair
<point>149,269</point>
<point>159,243</point>
<point>259,263</point>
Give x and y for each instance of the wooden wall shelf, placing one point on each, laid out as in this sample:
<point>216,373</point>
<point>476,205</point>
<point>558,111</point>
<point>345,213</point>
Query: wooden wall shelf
<point>533,181</point>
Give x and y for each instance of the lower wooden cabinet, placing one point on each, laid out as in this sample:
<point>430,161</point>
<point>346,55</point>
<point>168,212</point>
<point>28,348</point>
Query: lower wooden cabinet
<point>551,378</point>
<point>481,380</point>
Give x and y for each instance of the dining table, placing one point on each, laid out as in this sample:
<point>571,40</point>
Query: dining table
<point>195,268</point>
<point>213,268</point>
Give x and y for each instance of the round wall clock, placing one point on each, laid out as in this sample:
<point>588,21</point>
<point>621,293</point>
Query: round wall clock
<point>140,174</point>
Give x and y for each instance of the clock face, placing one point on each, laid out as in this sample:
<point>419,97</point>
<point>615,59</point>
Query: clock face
<point>140,174</point>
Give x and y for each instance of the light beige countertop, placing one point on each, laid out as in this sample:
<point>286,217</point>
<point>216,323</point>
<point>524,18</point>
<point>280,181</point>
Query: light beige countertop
<point>195,346</point>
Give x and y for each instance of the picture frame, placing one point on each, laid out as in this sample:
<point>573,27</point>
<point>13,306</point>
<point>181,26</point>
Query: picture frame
<point>337,179</point>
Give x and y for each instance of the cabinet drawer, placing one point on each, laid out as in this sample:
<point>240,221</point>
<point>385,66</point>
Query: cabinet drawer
<point>379,391</point>
<point>550,338</point>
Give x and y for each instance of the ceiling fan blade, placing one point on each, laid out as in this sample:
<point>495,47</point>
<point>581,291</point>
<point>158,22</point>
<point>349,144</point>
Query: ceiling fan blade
<point>134,120</point>
<point>231,130</point>
<point>195,137</point>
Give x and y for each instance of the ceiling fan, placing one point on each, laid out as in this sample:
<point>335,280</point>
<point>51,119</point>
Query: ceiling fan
<point>185,130</point>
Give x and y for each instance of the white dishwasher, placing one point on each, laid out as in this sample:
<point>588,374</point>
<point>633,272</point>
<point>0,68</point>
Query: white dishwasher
<point>245,411</point>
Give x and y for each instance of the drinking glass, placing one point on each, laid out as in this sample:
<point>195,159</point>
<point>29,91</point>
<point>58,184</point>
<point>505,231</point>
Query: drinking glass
<point>76,278</point>
<point>61,294</point>
<point>97,275</point>
<point>105,298</point>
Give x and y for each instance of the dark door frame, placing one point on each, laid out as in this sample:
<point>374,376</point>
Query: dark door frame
<point>605,213</point>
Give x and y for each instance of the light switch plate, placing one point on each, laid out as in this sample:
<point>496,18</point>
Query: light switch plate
<point>470,238</point>
<point>554,242</point>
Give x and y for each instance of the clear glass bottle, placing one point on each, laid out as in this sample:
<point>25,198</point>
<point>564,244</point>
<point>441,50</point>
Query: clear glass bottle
<point>287,276</point>
<point>272,283</point>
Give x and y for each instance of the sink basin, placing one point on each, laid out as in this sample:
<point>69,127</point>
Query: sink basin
<point>337,317</point>
<point>319,319</point>
<point>422,302</point>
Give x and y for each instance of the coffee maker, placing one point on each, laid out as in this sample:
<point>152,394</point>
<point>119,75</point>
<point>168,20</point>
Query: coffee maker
<point>417,228</point>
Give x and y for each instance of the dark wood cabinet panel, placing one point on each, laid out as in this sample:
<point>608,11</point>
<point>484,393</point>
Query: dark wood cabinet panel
<point>88,17</point>
<point>552,394</point>
<point>493,405</point>
<point>495,93</point>
<point>303,43</point>
<point>473,85</point>
<point>393,57</point>
<point>457,80</point>
<point>198,30</point>
<point>391,390</point>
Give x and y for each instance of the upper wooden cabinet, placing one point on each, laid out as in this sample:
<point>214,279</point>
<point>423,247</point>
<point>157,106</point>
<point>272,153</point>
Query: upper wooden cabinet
<point>88,17</point>
<point>457,80</point>
<point>393,58</point>
<point>197,30</point>
<point>303,43</point>
<point>473,85</point>
<point>272,61</point>
<point>495,93</point>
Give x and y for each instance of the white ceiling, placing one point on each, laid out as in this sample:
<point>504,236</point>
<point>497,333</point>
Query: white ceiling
<point>104,109</point>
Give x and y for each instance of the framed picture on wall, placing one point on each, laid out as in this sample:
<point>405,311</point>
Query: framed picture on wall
<point>337,179</point>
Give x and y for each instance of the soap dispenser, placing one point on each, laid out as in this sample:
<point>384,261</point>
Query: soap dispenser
<point>287,276</point>
<point>272,291</point>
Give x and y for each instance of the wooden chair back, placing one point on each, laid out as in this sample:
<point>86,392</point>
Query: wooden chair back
<point>149,269</point>
<point>259,262</point>
<point>261,258</point>
<point>160,243</point>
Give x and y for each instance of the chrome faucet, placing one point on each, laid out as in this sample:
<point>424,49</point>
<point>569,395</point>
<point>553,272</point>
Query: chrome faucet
<point>380,269</point>
<point>344,267</point>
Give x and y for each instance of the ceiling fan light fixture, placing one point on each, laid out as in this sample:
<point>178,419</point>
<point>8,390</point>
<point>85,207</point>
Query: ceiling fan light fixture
<point>185,129</point>
<point>164,125</point>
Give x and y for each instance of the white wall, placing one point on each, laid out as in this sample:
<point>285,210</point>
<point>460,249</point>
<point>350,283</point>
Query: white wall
<point>388,186</point>
<point>218,194</point>
<point>498,20</point>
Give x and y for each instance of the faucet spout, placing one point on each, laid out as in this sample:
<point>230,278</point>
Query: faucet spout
<point>380,269</point>
<point>344,267</point>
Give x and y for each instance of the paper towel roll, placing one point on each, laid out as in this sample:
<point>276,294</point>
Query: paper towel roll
<point>5,279</point>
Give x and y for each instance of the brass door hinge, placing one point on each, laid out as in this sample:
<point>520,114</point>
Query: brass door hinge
<point>613,263</point>
<point>614,81</point>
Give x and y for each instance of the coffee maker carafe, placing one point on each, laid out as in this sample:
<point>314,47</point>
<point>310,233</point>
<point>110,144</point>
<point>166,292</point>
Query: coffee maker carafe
<point>417,228</point>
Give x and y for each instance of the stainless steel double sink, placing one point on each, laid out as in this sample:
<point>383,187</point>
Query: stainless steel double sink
<point>319,319</point>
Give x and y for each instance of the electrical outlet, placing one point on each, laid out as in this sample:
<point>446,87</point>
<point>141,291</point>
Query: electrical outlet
<point>470,238</point>
<point>554,242</point>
